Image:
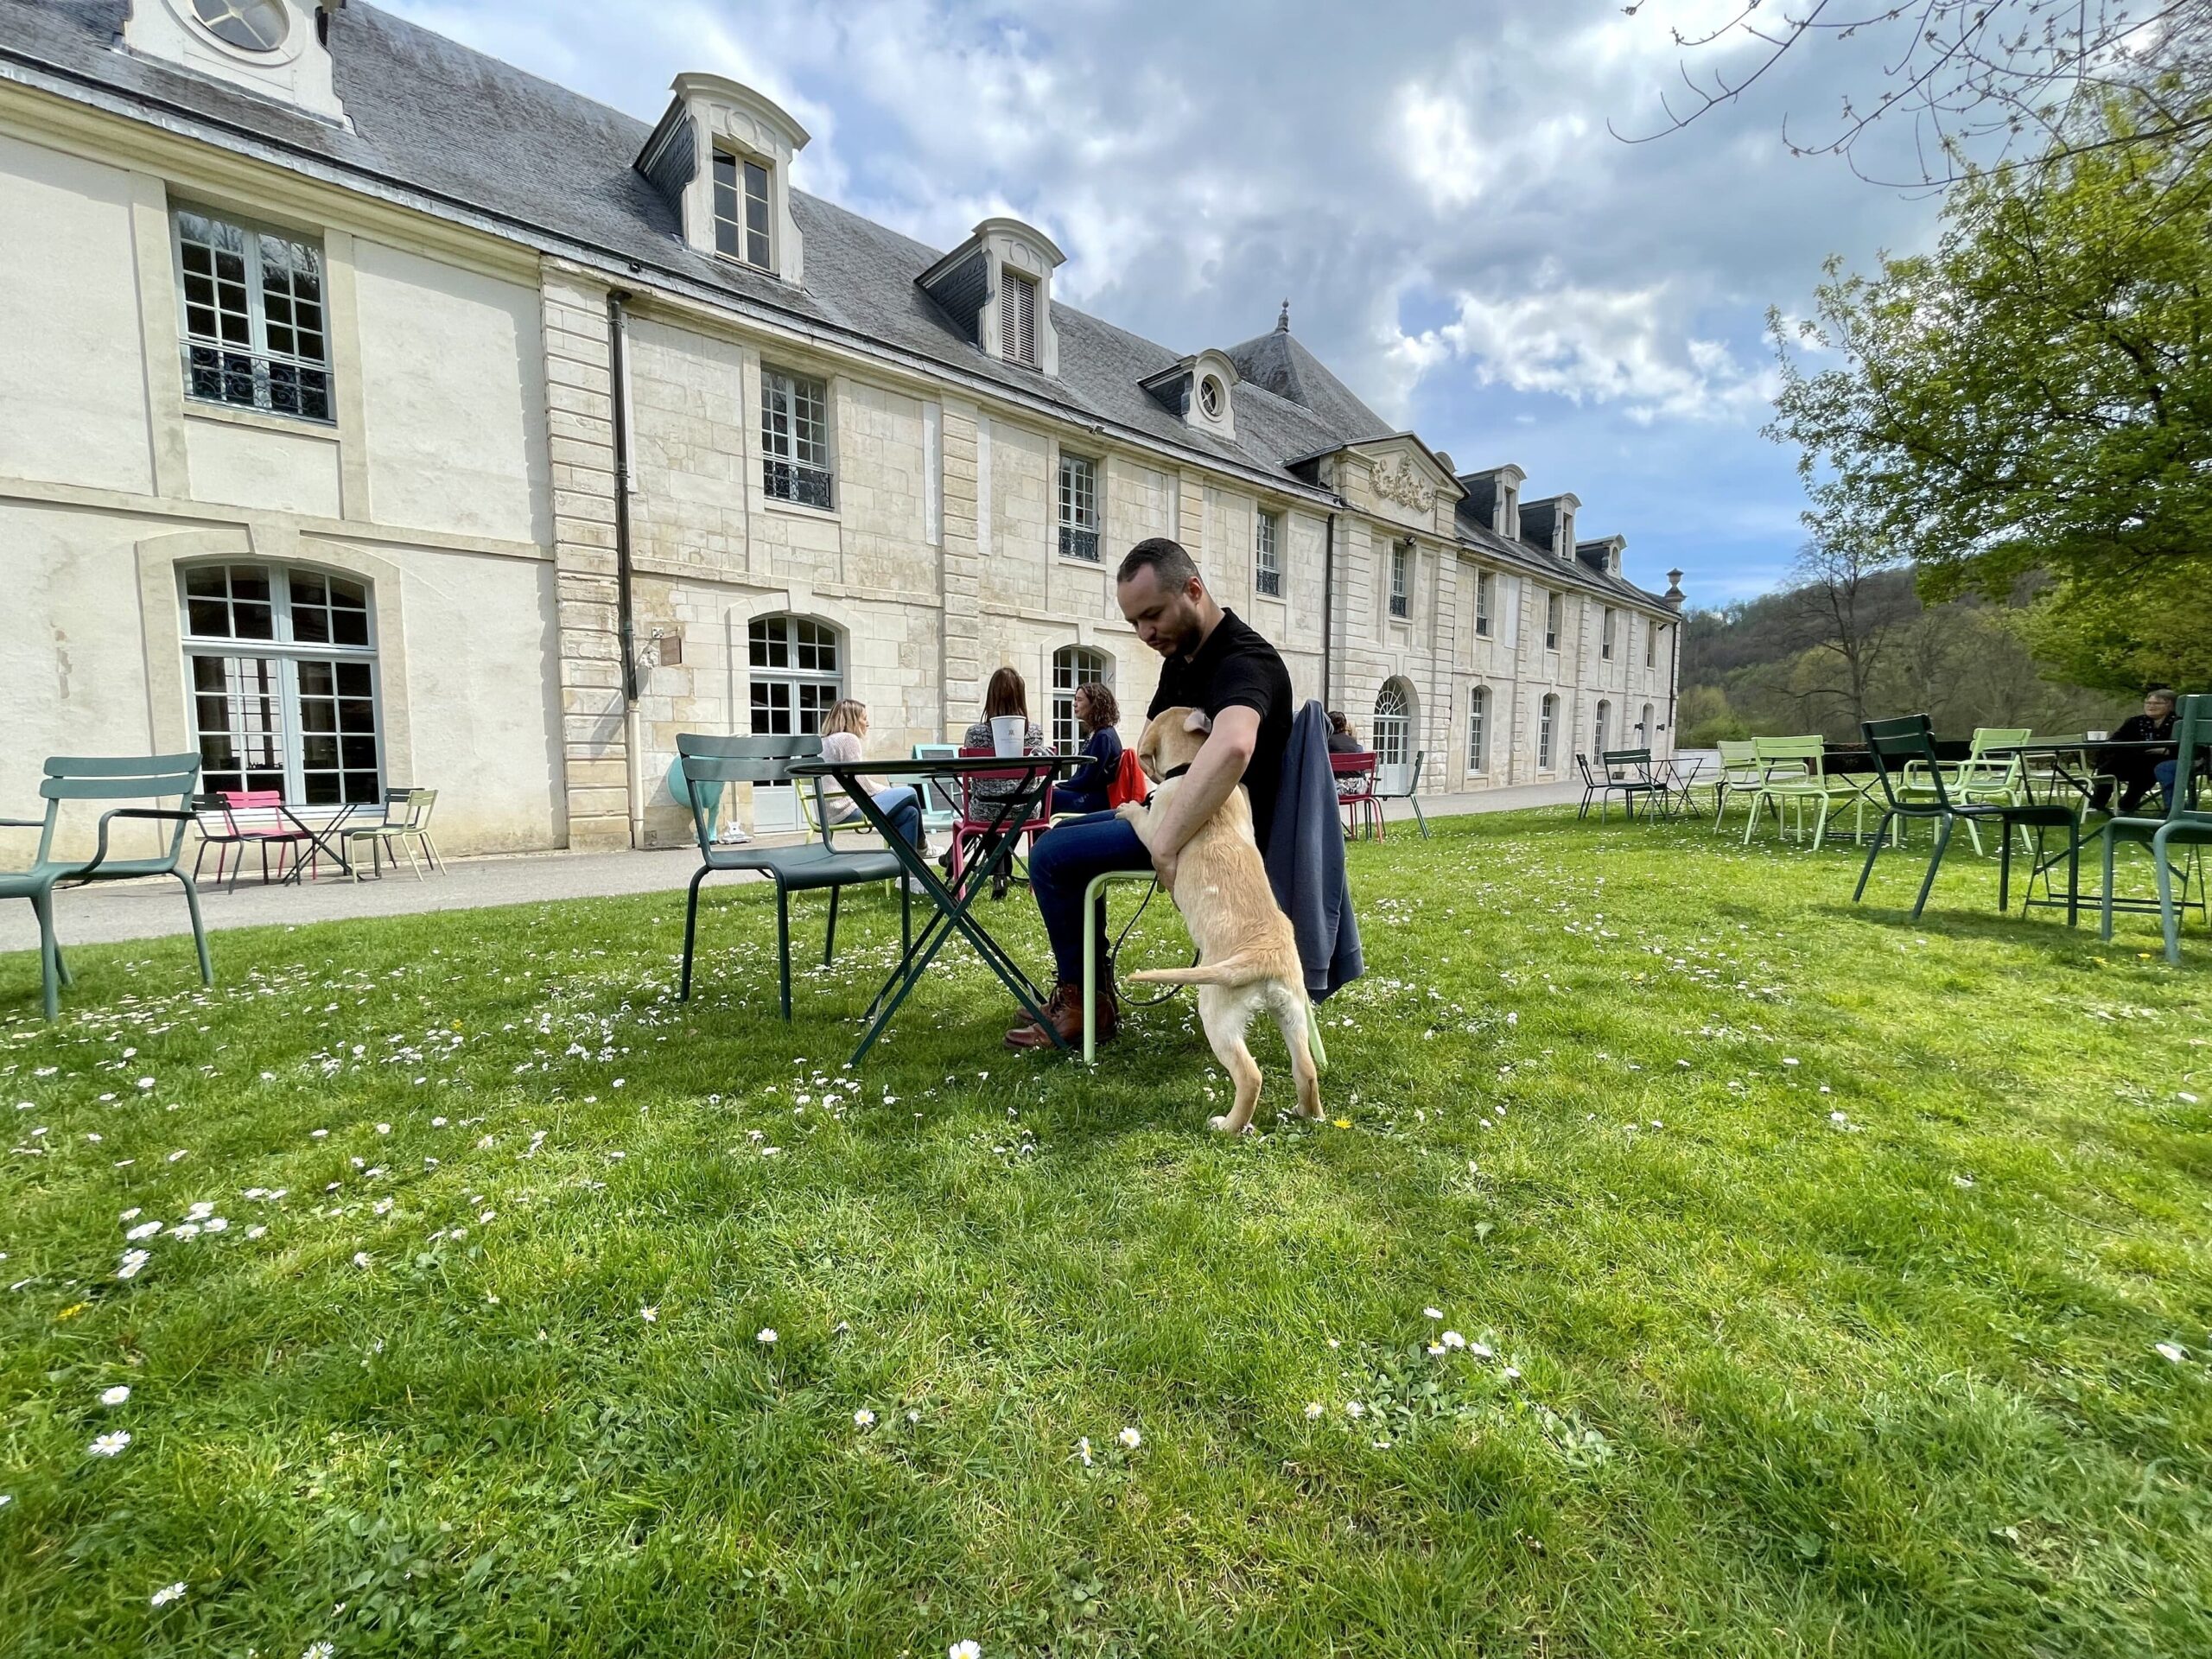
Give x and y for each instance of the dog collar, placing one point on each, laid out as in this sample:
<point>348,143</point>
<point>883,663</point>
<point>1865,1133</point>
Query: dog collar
<point>1174,772</point>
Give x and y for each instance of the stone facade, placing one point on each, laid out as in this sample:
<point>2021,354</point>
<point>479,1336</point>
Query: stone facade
<point>469,480</point>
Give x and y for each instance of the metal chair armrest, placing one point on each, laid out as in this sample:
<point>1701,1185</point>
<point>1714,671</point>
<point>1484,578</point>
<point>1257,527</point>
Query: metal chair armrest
<point>22,823</point>
<point>99,849</point>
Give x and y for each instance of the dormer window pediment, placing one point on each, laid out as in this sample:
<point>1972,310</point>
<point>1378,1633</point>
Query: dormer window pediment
<point>997,287</point>
<point>722,154</point>
<point>1197,389</point>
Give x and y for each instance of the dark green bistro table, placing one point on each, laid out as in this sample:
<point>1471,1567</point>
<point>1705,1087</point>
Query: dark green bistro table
<point>955,910</point>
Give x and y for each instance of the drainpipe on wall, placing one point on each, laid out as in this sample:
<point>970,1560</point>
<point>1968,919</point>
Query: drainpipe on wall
<point>1328,604</point>
<point>618,361</point>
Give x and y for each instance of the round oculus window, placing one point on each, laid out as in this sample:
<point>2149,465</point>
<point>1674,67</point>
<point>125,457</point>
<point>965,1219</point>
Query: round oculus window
<point>249,25</point>
<point>1210,397</point>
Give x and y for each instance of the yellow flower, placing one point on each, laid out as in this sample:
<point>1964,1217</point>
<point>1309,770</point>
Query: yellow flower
<point>1343,1123</point>
<point>71,1311</point>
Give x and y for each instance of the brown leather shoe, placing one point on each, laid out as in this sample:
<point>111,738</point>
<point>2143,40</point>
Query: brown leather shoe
<point>1066,1011</point>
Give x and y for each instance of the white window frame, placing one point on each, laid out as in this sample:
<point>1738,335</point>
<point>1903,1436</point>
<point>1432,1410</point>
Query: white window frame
<point>252,366</point>
<point>1554,619</point>
<point>1402,581</point>
<point>797,464</point>
<point>1610,625</point>
<point>1078,513</point>
<point>285,654</point>
<point>1650,644</point>
<point>809,693</point>
<point>1073,666</point>
<point>1547,719</point>
<point>1486,585</point>
<point>1018,329</point>
<point>1478,731</point>
<point>1597,732</point>
<point>739,225</point>
<point>1266,554</point>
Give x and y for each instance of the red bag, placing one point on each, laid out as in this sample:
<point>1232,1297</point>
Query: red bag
<point>1129,783</point>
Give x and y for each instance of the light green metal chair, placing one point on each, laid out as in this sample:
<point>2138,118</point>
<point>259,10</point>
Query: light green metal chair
<point>1792,773</point>
<point>132,777</point>
<point>1739,774</point>
<point>1982,780</point>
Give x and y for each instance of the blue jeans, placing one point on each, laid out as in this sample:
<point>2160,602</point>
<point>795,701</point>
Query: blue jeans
<point>1066,858</point>
<point>902,807</point>
<point>2164,772</point>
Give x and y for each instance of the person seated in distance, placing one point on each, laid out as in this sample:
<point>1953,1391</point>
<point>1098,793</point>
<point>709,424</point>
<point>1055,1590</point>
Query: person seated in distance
<point>1214,661</point>
<point>2136,770</point>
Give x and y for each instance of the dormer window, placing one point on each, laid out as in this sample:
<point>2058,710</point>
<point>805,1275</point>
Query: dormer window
<point>996,289</point>
<point>1197,389</point>
<point>1018,319</point>
<point>270,48</point>
<point>721,157</point>
<point>741,210</point>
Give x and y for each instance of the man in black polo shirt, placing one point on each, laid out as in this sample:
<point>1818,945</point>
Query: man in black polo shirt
<point>1216,661</point>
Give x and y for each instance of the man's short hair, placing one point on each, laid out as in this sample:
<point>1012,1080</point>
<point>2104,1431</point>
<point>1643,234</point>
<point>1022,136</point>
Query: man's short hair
<point>1172,567</point>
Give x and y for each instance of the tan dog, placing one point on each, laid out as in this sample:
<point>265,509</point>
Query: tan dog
<point>1248,955</point>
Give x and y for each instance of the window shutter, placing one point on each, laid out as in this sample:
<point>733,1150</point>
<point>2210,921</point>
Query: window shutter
<point>1018,324</point>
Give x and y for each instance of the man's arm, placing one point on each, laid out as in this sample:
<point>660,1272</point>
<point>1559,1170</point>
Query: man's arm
<point>1219,769</point>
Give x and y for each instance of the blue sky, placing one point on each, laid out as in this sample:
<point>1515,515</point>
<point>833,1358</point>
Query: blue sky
<point>1432,186</point>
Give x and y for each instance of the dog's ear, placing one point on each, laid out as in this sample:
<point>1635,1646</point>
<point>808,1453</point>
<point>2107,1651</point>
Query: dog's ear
<point>1200,721</point>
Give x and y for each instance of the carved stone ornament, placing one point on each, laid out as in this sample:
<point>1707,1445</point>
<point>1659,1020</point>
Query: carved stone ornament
<point>1400,483</point>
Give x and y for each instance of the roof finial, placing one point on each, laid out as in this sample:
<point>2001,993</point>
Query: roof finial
<point>1282,322</point>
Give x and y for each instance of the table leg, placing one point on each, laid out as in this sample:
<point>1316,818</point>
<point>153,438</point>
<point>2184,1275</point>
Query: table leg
<point>952,914</point>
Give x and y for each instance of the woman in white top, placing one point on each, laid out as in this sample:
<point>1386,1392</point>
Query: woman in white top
<point>843,729</point>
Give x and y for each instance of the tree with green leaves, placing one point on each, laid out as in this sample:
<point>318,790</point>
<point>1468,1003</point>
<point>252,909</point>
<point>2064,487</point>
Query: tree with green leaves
<point>2032,402</point>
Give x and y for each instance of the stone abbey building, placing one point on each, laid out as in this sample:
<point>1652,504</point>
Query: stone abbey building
<point>379,415</point>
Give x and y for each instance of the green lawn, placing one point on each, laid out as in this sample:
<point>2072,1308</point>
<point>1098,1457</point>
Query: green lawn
<point>1812,1268</point>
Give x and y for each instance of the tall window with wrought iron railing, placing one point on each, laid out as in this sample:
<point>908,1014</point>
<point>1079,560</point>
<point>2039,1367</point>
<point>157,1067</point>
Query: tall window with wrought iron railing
<point>254,334</point>
<point>795,440</point>
<point>1078,507</point>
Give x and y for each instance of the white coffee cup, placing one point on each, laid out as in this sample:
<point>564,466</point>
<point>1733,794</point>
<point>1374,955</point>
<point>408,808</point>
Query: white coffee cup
<point>1007,732</point>
<point>2096,737</point>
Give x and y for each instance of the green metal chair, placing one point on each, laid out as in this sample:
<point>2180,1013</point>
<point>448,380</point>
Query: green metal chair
<point>1900,746</point>
<point>1981,778</point>
<point>1792,772</point>
<point>710,763</point>
<point>1739,774</point>
<point>131,778</point>
<point>1410,794</point>
<point>2181,826</point>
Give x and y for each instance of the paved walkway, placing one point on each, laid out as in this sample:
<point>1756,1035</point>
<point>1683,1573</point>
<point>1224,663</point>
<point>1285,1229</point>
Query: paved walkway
<point>145,910</point>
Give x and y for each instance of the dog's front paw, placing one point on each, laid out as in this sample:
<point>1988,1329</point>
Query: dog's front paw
<point>1132,812</point>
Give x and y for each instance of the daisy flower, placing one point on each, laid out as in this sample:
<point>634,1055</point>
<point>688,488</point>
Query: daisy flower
<point>168,1593</point>
<point>1453,1340</point>
<point>1312,1409</point>
<point>650,1315</point>
<point>319,1650</point>
<point>863,1418</point>
<point>965,1650</point>
<point>1082,1450</point>
<point>1131,1439</point>
<point>767,1336</point>
<point>110,1446</point>
<point>116,1395</point>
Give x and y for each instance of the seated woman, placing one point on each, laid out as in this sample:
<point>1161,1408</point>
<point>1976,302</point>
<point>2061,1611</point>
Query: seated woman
<point>1005,695</point>
<point>1342,739</point>
<point>1097,714</point>
<point>844,730</point>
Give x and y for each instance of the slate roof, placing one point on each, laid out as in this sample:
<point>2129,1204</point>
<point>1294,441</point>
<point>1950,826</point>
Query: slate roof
<point>436,119</point>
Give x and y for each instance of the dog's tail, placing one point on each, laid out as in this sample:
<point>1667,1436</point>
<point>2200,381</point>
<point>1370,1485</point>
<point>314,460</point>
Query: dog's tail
<point>1243,968</point>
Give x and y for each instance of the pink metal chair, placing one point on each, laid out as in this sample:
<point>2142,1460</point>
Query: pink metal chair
<point>257,818</point>
<point>978,816</point>
<point>1355,775</point>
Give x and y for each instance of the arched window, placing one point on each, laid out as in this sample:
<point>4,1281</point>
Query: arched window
<point>797,673</point>
<point>1074,665</point>
<point>282,662</point>
<point>1392,738</point>
<point>1644,727</point>
<point>1546,718</point>
<point>1600,734</point>
<point>1479,729</point>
